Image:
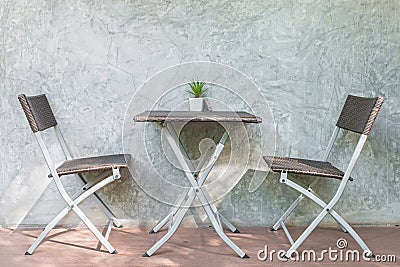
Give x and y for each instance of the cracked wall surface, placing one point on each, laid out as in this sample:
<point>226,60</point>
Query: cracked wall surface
<point>90,57</point>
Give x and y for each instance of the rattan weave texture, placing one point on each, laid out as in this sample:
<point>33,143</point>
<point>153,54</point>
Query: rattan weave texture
<point>38,112</point>
<point>93,164</point>
<point>359,113</point>
<point>197,116</point>
<point>303,166</point>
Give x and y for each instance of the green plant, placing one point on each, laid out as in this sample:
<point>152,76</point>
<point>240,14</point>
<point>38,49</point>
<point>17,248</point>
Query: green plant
<point>197,89</point>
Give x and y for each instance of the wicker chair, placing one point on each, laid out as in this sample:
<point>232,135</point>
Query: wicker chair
<point>40,118</point>
<point>358,115</point>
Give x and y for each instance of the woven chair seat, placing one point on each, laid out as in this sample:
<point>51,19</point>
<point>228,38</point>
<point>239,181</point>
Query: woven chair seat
<point>304,166</point>
<point>93,164</point>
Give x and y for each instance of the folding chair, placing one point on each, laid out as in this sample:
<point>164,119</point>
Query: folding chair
<point>40,117</point>
<point>358,115</point>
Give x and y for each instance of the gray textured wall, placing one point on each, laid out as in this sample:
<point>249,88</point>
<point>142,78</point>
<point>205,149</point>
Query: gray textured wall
<point>89,57</point>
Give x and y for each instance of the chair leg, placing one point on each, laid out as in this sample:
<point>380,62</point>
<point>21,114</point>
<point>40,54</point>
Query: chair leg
<point>65,211</point>
<point>94,230</point>
<point>106,210</point>
<point>314,224</point>
<point>306,233</point>
<point>287,213</point>
<point>323,204</point>
<point>342,223</point>
<point>100,202</point>
<point>46,230</point>
<point>61,215</point>
<point>294,205</point>
<point>352,232</point>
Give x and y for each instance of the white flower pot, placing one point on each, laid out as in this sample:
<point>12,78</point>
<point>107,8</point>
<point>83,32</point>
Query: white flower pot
<point>196,104</point>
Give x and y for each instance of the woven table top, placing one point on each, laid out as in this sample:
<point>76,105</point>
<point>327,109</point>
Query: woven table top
<point>197,116</point>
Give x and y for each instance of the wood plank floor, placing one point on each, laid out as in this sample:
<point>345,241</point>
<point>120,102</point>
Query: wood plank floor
<point>188,247</point>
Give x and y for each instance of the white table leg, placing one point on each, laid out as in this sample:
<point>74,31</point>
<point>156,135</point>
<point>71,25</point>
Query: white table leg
<point>189,191</point>
<point>196,187</point>
<point>182,197</point>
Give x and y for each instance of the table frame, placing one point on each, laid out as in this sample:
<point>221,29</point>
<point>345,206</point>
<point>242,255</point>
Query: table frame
<point>177,214</point>
<point>184,202</point>
<point>210,153</point>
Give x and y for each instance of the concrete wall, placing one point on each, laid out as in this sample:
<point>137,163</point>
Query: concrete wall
<point>90,57</point>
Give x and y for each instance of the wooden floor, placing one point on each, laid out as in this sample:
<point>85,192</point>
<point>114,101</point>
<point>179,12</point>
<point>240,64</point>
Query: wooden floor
<point>188,247</point>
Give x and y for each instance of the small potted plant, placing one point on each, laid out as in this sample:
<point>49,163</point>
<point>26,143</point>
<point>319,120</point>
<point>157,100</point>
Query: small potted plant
<point>197,90</point>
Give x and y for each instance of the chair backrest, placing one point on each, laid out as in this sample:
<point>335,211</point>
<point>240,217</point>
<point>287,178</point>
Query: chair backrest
<point>359,113</point>
<point>40,117</point>
<point>38,112</point>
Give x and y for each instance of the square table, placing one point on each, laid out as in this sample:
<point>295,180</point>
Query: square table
<point>175,217</point>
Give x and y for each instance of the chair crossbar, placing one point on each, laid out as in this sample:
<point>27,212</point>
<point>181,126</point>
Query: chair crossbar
<point>282,224</point>
<point>110,224</point>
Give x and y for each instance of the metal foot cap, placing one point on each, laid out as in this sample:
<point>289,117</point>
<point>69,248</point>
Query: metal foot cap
<point>146,255</point>
<point>27,253</point>
<point>114,252</point>
<point>152,232</point>
<point>245,256</point>
<point>236,231</point>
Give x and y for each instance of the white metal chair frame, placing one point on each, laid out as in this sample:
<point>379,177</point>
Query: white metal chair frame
<point>72,202</point>
<point>327,207</point>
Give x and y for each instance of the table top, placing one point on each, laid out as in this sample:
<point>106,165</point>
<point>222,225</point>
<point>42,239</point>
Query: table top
<point>197,116</point>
